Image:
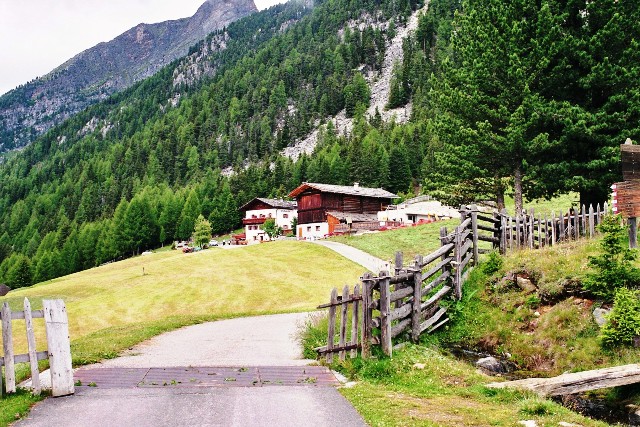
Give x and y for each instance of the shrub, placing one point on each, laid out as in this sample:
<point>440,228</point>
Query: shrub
<point>614,267</point>
<point>493,264</point>
<point>623,324</point>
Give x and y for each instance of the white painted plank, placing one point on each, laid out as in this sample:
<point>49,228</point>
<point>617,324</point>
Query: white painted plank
<point>7,340</point>
<point>58,342</point>
<point>31,343</point>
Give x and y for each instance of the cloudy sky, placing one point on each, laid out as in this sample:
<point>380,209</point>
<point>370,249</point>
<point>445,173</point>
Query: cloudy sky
<point>38,35</point>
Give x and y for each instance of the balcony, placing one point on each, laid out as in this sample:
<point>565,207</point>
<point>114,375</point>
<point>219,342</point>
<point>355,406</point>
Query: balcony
<point>253,221</point>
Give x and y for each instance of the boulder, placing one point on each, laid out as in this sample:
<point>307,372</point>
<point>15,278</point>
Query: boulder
<point>526,285</point>
<point>600,315</point>
<point>4,289</point>
<point>491,364</point>
<point>634,415</point>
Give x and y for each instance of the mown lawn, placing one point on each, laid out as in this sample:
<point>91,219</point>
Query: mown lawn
<point>116,306</point>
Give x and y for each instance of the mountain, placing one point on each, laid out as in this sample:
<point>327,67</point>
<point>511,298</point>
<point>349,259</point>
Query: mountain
<point>106,68</point>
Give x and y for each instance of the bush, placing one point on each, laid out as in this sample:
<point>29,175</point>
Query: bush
<point>493,264</point>
<point>614,267</point>
<point>623,324</point>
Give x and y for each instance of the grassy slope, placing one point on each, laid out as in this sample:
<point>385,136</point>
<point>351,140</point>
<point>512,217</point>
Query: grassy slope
<point>115,306</point>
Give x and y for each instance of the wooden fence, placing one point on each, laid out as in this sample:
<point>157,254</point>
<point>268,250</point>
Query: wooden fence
<point>59,354</point>
<point>410,300</point>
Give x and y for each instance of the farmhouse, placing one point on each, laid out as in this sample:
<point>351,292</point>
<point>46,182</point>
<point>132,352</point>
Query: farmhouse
<point>258,210</point>
<point>416,211</point>
<point>325,209</point>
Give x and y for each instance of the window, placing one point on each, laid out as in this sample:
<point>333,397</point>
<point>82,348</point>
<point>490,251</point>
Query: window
<point>317,228</point>
<point>285,215</point>
<point>309,229</point>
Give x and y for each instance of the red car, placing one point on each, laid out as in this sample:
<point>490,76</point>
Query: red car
<point>187,249</point>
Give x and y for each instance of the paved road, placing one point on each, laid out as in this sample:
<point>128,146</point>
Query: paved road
<point>237,372</point>
<point>371,263</point>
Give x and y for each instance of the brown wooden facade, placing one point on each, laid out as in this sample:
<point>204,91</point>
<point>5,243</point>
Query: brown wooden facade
<point>313,205</point>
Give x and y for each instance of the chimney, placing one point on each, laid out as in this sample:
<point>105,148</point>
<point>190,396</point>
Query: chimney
<point>356,184</point>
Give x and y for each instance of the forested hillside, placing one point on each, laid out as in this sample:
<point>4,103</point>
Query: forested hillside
<point>538,95</point>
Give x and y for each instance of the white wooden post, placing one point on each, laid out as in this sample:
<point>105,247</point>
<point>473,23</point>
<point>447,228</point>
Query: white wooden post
<point>31,342</point>
<point>57,327</point>
<point>7,340</point>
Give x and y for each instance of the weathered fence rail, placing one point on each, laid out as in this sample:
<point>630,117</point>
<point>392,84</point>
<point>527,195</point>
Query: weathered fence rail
<point>59,354</point>
<point>408,300</point>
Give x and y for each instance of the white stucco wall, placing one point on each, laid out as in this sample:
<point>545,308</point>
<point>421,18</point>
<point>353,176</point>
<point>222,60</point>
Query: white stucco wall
<point>316,230</point>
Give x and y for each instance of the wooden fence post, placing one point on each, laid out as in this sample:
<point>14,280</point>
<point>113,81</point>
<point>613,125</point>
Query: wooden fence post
<point>331,329</point>
<point>354,320</point>
<point>367,314</point>
<point>7,340</point>
<point>417,299</point>
<point>58,342</point>
<point>31,344</point>
<point>457,279</point>
<point>474,232</point>
<point>343,322</point>
<point>502,233</point>
<point>385,314</point>
<point>531,227</point>
<point>592,225</point>
<point>633,232</point>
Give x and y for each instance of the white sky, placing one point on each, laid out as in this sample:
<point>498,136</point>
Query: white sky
<point>38,35</point>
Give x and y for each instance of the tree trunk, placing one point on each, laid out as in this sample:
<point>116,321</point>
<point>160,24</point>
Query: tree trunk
<point>499,193</point>
<point>517,188</point>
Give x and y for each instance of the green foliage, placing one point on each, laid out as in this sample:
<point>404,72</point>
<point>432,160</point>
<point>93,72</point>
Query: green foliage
<point>623,323</point>
<point>19,274</point>
<point>201,231</point>
<point>356,94</point>
<point>492,264</point>
<point>271,228</point>
<point>614,266</point>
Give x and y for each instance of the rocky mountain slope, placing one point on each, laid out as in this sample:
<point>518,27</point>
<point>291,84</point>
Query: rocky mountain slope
<point>109,67</point>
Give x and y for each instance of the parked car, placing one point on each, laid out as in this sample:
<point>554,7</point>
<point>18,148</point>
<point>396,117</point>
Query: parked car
<point>187,249</point>
<point>213,242</point>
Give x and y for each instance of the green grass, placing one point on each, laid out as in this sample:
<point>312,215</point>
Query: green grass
<point>116,306</point>
<point>411,241</point>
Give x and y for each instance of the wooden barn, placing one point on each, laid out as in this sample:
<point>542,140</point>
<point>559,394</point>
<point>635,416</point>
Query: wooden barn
<point>325,209</point>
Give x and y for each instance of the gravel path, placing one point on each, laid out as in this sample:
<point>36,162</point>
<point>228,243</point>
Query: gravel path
<point>247,341</point>
<point>371,263</point>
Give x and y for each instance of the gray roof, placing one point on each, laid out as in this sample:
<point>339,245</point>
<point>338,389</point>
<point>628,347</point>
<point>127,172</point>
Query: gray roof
<point>345,189</point>
<point>274,203</point>
<point>355,217</point>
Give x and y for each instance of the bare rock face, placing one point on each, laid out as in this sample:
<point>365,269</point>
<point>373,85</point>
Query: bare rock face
<point>107,68</point>
<point>600,315</point>
<point>4,289</point>
<point>491,364</point>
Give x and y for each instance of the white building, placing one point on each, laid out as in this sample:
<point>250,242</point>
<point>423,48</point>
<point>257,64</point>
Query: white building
<point>258,210</point>
<point>417,210</point>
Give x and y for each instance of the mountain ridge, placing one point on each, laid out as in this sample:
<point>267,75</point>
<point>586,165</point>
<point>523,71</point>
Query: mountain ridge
<point>109,67</point>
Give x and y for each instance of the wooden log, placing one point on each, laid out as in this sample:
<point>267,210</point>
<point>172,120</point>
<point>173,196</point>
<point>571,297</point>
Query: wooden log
<point>385,314</point>
<point>457,278</point>
<point>25,358</point>
<point>343,322</point>
<point>435,298</point>
<point>340,301</point>
<point>355,314</point>
<point>401,294</point>
<point>19,315</point>
<point>323,350</point>
<point>399,262</point>
<point>561,229</point>
<point>511,245</point>
<point>436,282</point>
<point>31,345</point>
<point>439,266</point>
<point>474,233</point>
<point>402,312</point>
<point>445,267</point>
<point>488,219</point>
<point>426,325</point>
<point>553,228</point>
<point>464,224</point>
<point>440,253</point>
<point>367,315</point>
<point>592,228</point>
<point>546,230</point>
<point>488,229</point>
<point>503,234</point>
<point>401,278</point>
<point>400,327</point>
<point>531,228</point>
<point>599,213</point>
<point>7,341</point>
<point>577,382</point>
<point>583,220</point>
<point>417,301</point>
<point>489,239</point>
<point>518,233</point>
<point>464,264</point>
<point>331,329</point>
<point>540,235</point>
<point>633,232</point>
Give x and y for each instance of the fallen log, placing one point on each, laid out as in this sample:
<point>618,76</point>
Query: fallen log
<point>577,382</point>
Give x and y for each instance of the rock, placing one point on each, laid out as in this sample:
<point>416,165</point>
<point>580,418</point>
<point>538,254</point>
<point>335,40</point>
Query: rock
<point>4,289</point>
<point>536,314</point>
<point>419,366</point>
<point>600,315</point>
<point>528,423</point>
<point>634,415</point>
<point>491,364</point>
<point>566,424</point>
<point>526,285</point>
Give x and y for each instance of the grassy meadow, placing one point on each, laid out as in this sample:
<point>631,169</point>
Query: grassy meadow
<point>117,305</point>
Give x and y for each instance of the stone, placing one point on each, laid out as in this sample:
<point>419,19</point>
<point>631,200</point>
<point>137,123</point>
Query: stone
<point>4,289</point>
<point>419,366</point>
<point>528,423</point>
<point>491,364</point>
<point>526,285</point>
<point>566,424</point>
<point>600,315</point>
<point>634,415</point>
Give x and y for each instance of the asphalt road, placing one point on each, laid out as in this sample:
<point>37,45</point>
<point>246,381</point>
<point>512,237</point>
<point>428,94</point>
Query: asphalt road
<point>259,346</point>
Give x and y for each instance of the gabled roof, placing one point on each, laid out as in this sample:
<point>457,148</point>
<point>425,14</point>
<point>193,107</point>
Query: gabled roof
<point>355,217</point>
<point>274,203</point>
<point>343,189</point>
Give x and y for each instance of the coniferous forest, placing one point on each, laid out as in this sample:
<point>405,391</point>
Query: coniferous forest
<point>524,96</point>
